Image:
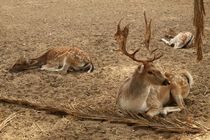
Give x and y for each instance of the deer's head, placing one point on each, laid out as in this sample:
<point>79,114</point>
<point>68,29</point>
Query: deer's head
<point>151,74</point>
<point>147,69</point>
<point>20,65</point>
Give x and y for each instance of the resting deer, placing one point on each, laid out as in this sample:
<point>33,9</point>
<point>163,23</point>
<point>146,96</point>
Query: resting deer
<point>148,90</point>
<point>182,40</point>
<point>59,59</point>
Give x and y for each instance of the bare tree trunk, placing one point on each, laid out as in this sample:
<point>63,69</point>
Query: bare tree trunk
<point>198,22</point>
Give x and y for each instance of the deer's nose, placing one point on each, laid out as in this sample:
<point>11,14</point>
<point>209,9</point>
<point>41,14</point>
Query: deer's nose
<point>166,82</point>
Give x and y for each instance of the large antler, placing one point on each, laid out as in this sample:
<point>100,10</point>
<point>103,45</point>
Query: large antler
<point>121,35</point>
<point>121,38</point>
<point>147,38</point>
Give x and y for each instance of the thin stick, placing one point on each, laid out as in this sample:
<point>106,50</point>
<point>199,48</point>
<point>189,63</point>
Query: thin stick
<point>7,120</point>
<point>206,128</point>
<point>37,125</point>
<point>206,90</point>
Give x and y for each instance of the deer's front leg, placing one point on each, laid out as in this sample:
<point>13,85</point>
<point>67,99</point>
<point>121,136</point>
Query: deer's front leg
<point>178,45</point>
<point>49,67</point>
<point>165,41</point>
<point>65,66</point>
<point>170,42</point>
<point>167,110</point>
<point>153,112</point>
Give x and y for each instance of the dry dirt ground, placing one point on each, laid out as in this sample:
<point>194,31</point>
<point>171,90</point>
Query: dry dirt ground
<point>30,27</point>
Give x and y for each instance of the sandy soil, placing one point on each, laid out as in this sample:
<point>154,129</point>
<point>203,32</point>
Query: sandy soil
<point>30,27</point>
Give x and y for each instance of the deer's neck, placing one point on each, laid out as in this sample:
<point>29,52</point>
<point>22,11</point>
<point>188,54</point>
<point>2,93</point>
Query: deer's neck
<point>38,62</point>
<point>139,86</point>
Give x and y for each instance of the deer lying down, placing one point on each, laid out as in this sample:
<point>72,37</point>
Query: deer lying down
<point>182,40</point>
<point>148,90</point>
<point>60,59</point>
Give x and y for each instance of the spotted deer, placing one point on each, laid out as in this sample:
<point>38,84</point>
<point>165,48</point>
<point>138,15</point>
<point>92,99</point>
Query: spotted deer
<point>148,90</point>
<point>59,59</point>
<point>181,40</point>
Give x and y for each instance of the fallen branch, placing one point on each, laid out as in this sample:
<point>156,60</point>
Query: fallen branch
<point>158,124</point>
<point>85,111</point>
<point>145,123</point>
<point>49,109</point>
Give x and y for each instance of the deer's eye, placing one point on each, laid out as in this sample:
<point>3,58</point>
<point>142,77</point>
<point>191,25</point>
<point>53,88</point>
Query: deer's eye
<point>149,72</point>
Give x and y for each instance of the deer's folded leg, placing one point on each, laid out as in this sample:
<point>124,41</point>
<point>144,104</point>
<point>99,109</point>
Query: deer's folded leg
<point>167,110</point>
<point>49,68</point>
<point>153,112</point>
<point>165,41</point>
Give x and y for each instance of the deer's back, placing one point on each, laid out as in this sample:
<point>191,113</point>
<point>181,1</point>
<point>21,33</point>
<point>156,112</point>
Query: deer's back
<point>181,81</point>
<point>73,55</point>
<point>178,83</point>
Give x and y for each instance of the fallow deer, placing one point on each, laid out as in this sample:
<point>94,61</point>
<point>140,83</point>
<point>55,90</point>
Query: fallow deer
<point>181,40</point>
<point>59,59</point>
<point>148,90</point>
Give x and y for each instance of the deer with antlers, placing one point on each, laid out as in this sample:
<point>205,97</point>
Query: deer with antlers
<point>59,59</point>
<point>148,90</point>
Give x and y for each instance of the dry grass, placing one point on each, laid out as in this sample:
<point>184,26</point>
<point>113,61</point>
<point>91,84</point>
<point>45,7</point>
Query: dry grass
<point>7,120</point>
<point>91,112</point>
<point>104,110</point>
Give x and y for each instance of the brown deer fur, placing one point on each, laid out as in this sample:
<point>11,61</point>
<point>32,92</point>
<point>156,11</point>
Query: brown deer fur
<point>57,59</point>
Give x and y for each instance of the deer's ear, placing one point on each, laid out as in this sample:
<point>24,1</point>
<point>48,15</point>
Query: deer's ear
<point>168,75</point>
<point>23,59</point>
<point>20,59</point>
<point>140,68</point>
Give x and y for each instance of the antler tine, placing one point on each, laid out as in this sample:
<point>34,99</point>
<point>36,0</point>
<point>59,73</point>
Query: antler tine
<point>156,57</point>
<point>147,31</point>
<point>145,18</point>
<point>148,38</point>
<point>118,26</point>
<point>130,55</point>
<point>126,30</point>
<point>152,51</point>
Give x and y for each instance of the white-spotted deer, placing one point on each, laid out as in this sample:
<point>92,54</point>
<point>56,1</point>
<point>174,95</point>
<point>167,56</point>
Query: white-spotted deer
<point>148,90</point>
<point>181,40</point>
<point>60,59</point>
